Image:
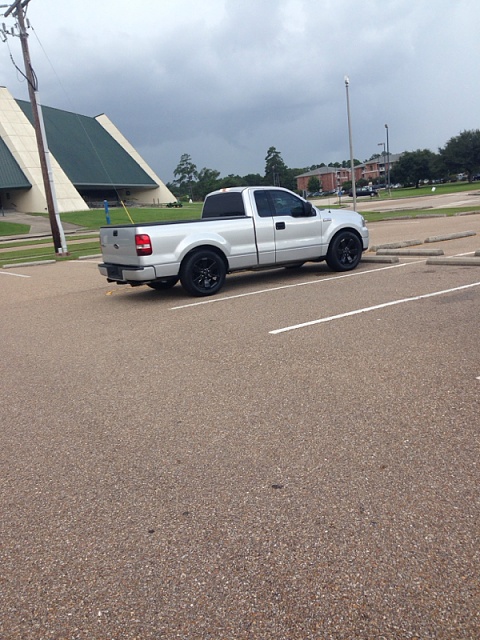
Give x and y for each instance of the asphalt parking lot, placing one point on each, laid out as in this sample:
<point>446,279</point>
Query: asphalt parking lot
<point>296,458</point>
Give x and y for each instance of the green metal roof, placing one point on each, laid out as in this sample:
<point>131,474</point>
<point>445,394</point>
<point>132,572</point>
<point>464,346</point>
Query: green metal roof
<point>87,152</point>
<point>11,176</point>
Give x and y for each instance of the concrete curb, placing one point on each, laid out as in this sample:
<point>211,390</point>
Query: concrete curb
<point>397,245</point>
<point>451,236</point>
<point>36,236</point>
<point>464,261</point>
<point>28,264</point>
<point>96,256</point>
<point>380,259</point>
<point>410,252</point>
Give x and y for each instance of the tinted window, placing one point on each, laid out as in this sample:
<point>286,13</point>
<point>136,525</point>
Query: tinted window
<point>223,205</point>
<point>286,204</point>
<point>263,205</point>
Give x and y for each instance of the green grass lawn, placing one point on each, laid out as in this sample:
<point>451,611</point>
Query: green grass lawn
<point>47,252</point>
<point>13,228</point>
<point>375,216</point>
<point>426,190</point>
<point>30,251</point>
<point>42,248</point>
<point>95,218</point>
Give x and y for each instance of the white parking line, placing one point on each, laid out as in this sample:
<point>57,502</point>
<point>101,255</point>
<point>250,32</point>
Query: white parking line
<point>17,275</point>
<point>367,309</point>
<point>291,286</point>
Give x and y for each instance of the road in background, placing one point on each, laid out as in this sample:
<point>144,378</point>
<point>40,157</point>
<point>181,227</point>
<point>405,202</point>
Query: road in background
<point>434,201</point>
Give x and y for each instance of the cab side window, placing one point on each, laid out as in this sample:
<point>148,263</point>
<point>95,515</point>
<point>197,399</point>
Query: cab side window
<point>263,204</point>
<point>286,204</point>
<point>224,205</point>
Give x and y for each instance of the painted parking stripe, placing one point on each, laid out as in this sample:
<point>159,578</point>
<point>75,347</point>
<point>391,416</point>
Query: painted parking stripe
<point>16,275</point>
<point>291,286</point>
<point>374,308</point>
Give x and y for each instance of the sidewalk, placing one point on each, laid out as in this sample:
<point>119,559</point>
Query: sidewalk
<point>39,226</point>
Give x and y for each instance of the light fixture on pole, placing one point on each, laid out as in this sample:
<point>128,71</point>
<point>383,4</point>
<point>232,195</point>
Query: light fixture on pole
<point>388,161</point>
<point>352,166</point>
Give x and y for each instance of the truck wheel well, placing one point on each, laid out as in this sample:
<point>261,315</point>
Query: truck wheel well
<point>343,231</point>
<point>208,247</point>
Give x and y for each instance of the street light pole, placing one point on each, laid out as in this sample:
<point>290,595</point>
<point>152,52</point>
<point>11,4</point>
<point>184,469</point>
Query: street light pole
<point>382,144</point>
<point>388,162</point>
<point>352,166</point>
<point>18,10</point>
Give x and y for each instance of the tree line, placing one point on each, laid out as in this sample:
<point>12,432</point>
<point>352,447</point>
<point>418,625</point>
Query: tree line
<point>461,154</point>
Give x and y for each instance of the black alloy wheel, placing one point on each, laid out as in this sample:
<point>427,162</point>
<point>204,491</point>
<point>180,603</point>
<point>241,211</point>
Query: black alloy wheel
<point>203,273</point>
<point>344,252</point>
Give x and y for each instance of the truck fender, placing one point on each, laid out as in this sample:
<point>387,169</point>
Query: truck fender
<point>338,230</point>
<point>209,241</point>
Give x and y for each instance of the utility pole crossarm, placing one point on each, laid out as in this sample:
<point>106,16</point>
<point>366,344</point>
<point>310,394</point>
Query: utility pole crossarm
<point>15,6</point>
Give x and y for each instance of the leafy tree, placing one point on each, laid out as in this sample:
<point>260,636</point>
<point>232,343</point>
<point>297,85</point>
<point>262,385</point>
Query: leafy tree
<point>171,186</point>
<point>462,153</point>
<point>232,181</point>
<point>276,171</point>
<point>207,180</point>
<point>290,180</point>
<point>185,175</point>
<point>314,184</point>
<point>253,180</point>
<point>414,166</point>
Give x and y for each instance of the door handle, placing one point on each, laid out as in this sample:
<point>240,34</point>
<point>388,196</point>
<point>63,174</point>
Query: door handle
<point>279,225</point>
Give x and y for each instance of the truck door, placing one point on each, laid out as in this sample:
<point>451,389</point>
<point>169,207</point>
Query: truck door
<point>264,227</point>
<point>297,228</point>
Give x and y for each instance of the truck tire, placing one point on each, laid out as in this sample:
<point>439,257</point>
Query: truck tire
<point>164,283</point>
<point>344,252</point>
<point>203,273</point>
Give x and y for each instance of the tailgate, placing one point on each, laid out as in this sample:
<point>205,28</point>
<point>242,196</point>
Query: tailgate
<point>118,245</point>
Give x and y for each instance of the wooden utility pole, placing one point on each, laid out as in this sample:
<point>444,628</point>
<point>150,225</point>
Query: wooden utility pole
<point>18,9</point>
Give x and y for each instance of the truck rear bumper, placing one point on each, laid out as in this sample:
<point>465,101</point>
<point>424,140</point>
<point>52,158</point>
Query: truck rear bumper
<point>121,273</point>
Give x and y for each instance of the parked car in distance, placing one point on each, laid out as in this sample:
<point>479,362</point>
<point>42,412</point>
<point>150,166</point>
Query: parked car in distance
<point>364,191</point>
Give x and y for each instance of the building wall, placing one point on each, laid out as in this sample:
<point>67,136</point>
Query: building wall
<point>331,178</point>
<point>160,195</point>
<point>19,136</point>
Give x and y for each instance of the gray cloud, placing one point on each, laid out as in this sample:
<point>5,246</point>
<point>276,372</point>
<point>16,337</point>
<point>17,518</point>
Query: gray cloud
<point>223,80</point>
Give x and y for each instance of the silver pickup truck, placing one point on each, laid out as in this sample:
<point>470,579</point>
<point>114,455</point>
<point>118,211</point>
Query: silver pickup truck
<point>241,228</point>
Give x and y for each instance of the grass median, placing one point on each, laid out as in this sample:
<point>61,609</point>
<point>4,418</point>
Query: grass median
<point>18,251</point>
<point>24,250</point>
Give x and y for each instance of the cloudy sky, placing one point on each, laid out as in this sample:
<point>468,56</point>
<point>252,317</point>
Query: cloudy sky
<point>223,80</point>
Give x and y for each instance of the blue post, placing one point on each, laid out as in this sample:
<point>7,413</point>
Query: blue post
<point>107,215</point>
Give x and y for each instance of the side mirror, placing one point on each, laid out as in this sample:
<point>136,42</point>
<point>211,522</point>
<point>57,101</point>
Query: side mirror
<point>303,210</point>
<point>309,211</point>
<point>297,212</point>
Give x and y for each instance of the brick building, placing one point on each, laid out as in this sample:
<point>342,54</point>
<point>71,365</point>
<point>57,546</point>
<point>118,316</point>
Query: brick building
<point>332,178</point>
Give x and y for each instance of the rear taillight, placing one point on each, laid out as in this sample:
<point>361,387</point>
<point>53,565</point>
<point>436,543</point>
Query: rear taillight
<point>143,244</point>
